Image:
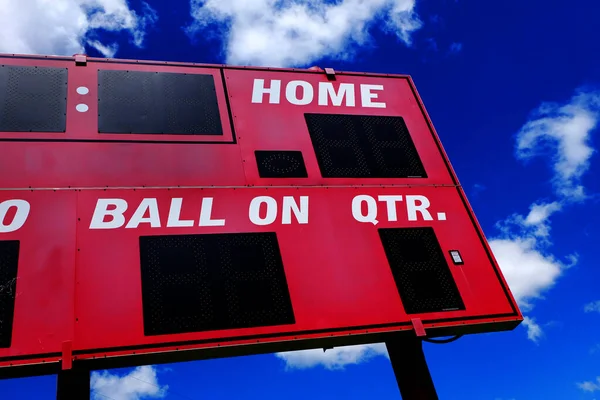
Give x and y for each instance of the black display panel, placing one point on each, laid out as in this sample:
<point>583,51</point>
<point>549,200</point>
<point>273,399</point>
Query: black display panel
<point>157,103</point>
<point>420,270</point>
<point>33,99</point>
<point>363,146</point>
<point>193,283</point>
<point>9,261</point>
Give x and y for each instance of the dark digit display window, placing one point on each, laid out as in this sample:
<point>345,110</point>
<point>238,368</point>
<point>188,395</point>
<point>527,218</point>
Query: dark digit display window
<point>9,261</point>
<point>363,146</point>
<point>280,164</point>
<point>193,283</point>
<point>157,103</point>
<point>422,275</point>
<point>33,99</point>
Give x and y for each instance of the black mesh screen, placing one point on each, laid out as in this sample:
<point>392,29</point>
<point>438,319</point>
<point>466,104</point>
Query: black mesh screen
<point>9,260</point>
<point>422,275</point>
<point>193,283</point>
<point>280,164</point>
<point>33,99</point>
<point>157,103</point>
<point>363,146</point>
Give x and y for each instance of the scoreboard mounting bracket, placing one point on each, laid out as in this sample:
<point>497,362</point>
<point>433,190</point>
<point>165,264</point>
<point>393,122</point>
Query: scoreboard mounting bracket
<point>67,355</point>
<point>418,327</point>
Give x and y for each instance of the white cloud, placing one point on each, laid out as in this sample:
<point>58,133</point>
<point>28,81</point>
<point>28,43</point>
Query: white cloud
<point>522,248</point>
<point>141,383</point>
<point>107,51</point>
<point>522,254</point>
<point>298,32</point>
<point>535,225</point>
<point>63,27</point>
<point>590,386</point>
<point>594,306</point>
<point>565,129</point>
<point>538,217</point>
<point>528,272</point>
<point>336,358</point>
<point>534,331</point>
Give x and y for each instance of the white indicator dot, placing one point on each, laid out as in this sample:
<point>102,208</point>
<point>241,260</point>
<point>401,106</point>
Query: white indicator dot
<point>82,107</point>
<point>441,216</point>
<point>83,90</point>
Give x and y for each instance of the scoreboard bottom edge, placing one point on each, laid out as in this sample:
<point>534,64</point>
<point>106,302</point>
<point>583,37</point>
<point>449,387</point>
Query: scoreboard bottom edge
<point>115,358</point>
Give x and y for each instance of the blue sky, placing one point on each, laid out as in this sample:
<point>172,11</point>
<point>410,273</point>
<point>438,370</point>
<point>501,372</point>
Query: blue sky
<point>513,89</point>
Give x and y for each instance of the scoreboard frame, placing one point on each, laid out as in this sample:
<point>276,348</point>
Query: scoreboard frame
<point>78,131</point>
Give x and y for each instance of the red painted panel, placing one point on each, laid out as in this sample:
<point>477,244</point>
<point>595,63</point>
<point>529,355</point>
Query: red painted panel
<point>69,164</point>
<point>337,272</point>
<point>84,125</point>
<point>82,284</point>
<point>281,126</point>
<point>46,276</point>
<point>289,339</point>
<point>89,159</point>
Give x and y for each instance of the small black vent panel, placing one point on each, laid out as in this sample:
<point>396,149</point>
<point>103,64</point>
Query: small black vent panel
<point>280,164</point>
<point>157,103</point>
<point>33,99</point>
<point>193,283</point>
<point>363,146</point>
<point>9,261</point>
<point>422,275</point>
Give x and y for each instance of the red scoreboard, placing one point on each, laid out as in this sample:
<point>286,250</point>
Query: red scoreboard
<point>155,211</point>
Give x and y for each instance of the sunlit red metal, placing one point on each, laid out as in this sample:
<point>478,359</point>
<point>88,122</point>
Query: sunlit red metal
<point>81,285</point>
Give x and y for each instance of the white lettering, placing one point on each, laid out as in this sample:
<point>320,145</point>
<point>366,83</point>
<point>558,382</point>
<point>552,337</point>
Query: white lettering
<point>101,211</point>
<point>150,205</point>
<point>259,90</point>
<point>300,212</point>
<point>175,213</point>
<point>357,213</point>
<point>254,210</point>
<point>326,90</point>
<point>412,207</point>
<point>263,210</point>
<point>391,206</point>
<point>20,217</point>
<point>367,96</point>
<point>205,214</point>
<point>291,93</point>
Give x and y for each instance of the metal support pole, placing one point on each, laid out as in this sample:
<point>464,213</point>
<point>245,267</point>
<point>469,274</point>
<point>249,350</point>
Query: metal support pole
<point>410,368</point>
<point>73,384</point>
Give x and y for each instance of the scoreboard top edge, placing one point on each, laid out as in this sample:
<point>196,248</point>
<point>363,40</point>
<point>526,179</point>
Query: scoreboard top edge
<point>193,65</point>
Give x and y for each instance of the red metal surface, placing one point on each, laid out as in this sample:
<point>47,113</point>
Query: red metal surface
<point>418,327</point>
<point>44,302</point>
<point>83,285</point>
<point>281,126</point>
<point>338,281</point>
<point>67,355</point>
